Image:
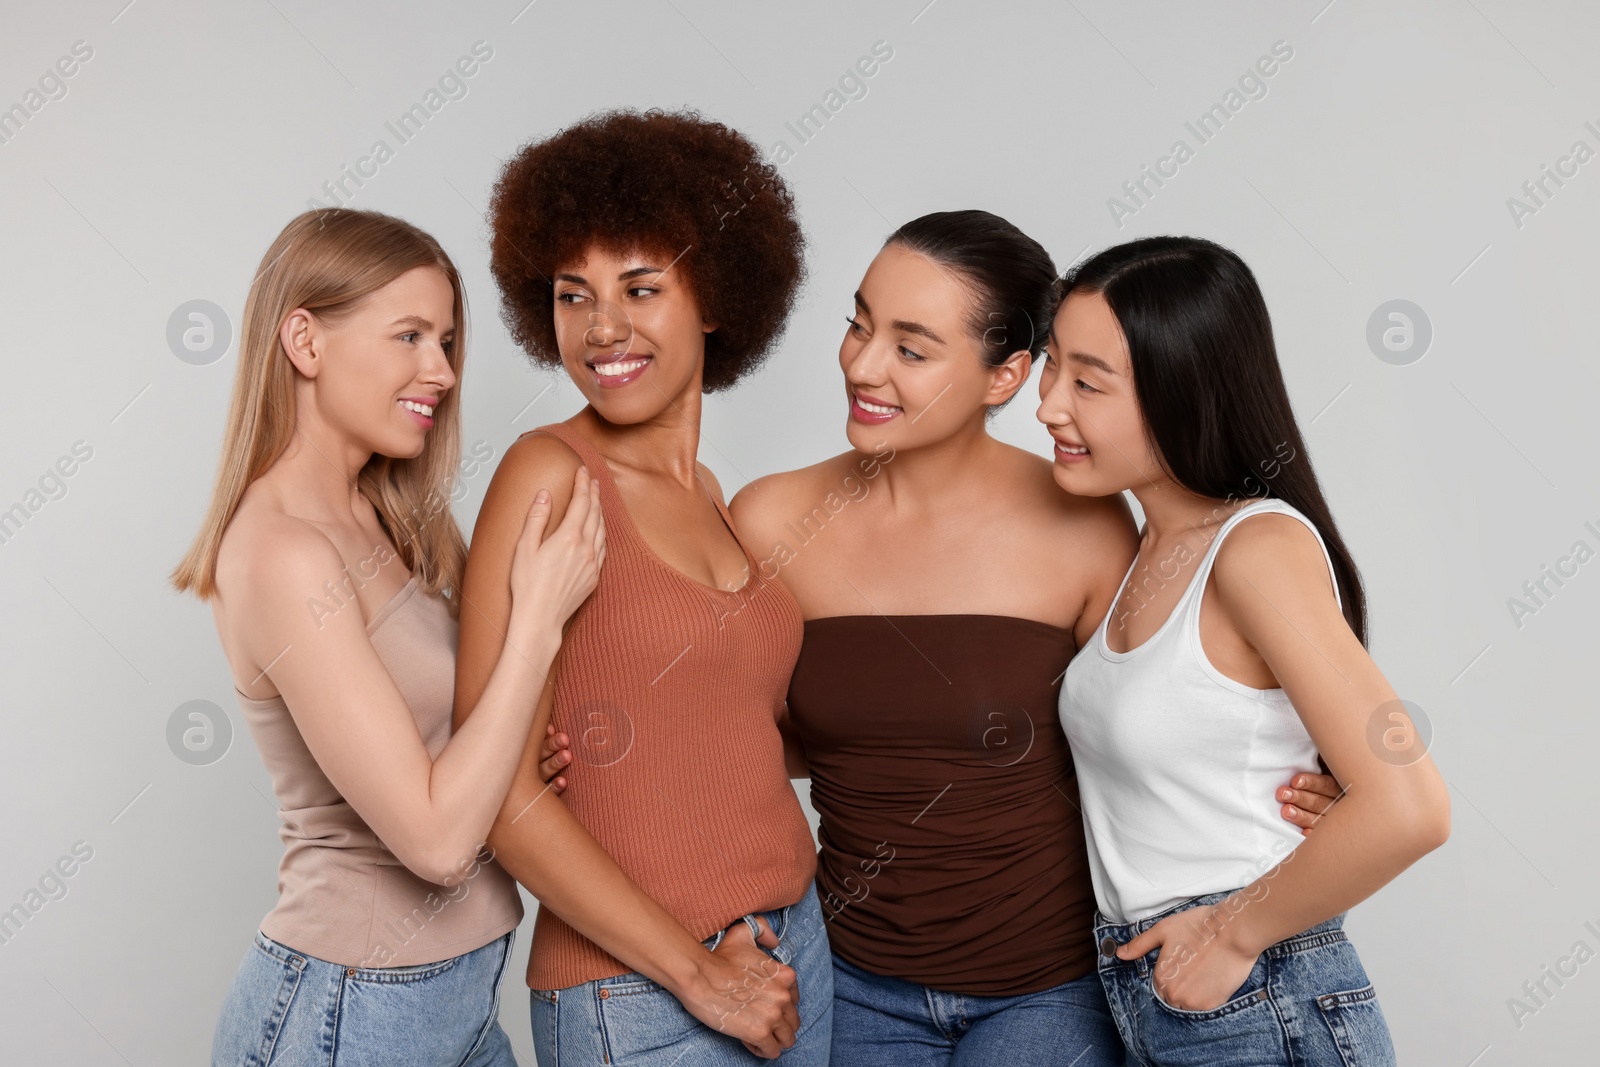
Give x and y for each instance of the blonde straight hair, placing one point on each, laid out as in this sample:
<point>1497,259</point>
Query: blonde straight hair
<point>326,261</point>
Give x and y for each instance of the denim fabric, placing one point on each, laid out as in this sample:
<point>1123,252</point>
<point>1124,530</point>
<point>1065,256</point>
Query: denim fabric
<point>287,1009</point>
<point>1306,1002</point>
<point>881,1020</point>
<point>631,1021</point>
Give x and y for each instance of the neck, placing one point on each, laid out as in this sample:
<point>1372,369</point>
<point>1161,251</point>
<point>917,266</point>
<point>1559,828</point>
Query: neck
<point>322,464</point>
<point>1171,510</point>
<point>918,477</point>
<point>665,444</point>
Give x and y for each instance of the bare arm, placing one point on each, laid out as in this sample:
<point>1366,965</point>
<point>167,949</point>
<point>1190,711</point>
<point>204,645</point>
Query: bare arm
<point>432,813</point>
<point>1274,587</point>
<point>539,841</point>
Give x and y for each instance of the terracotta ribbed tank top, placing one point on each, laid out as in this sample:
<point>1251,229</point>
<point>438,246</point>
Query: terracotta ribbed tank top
<point>953,853</point>
<point>342,895</point>
<point>670,691</point>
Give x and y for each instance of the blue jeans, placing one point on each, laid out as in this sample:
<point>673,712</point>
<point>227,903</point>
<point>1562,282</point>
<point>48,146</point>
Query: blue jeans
<point>631,1021</point>
<point>288,1009</point>
<point>1307,1002</point>
<point>881,1020</point>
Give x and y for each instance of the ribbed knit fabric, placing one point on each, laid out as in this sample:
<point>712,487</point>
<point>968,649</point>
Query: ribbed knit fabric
<point>670,691</point>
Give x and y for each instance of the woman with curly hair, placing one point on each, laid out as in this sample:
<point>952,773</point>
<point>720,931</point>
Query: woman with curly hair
<point>628,255</point>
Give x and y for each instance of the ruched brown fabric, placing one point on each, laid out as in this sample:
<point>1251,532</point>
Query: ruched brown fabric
<point>952,846</point>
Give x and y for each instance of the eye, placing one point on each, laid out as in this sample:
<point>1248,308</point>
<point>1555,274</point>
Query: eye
<point>910,354</point>
<point>569,297</point>
<point>855,327</point>
<point>642,289</point>
<point>410,336</point>
<point>1085,387</point>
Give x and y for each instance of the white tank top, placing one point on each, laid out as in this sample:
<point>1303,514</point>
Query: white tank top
<point>1178,764</point>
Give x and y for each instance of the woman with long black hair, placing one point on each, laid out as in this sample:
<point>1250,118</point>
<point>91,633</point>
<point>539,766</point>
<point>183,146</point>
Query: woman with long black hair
<point>1234,653</point>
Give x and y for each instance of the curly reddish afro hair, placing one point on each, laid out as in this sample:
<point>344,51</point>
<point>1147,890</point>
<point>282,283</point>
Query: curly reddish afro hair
<point>663,182</point>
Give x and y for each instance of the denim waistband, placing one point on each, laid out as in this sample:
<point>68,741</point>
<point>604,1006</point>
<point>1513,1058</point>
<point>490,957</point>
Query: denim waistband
<point>780,919</point>
<point>1327,931</point>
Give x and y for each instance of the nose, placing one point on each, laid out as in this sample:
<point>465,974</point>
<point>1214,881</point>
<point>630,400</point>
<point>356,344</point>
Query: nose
<point>1055,402</point>
<point>438,370</point>
<point>867,369</point>
<point>608,323</point>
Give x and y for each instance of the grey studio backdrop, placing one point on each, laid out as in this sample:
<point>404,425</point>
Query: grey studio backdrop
<point>1413,183</point>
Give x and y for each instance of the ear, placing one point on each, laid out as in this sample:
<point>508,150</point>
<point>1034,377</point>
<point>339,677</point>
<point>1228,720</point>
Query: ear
<point>707,326</point>
<point>300,335</point>
<point>1010,376</point>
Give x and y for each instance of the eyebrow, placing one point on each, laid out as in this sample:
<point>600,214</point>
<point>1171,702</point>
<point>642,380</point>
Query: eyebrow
<point>1093,361</point>
<point>417,322</point>
<point>624,276</point>
<point>904,325</point>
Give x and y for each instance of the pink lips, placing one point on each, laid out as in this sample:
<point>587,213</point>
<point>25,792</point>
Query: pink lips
<point>617,381</point>
<point>861,414</point>
<point>1063,456</point>
<point>425,421</point>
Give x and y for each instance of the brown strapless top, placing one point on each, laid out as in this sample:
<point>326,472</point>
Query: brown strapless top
<point>952,847</point>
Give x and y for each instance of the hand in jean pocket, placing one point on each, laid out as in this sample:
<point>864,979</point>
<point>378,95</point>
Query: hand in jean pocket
<point>1199,967</point>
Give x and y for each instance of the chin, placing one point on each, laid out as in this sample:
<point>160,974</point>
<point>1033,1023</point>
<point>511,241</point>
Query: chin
<point>866,438</point>
<point>1076,484</point>
<point>640,404</point>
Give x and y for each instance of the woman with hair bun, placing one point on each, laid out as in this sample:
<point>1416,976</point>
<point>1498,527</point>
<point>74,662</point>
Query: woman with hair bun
<point>678,923</point>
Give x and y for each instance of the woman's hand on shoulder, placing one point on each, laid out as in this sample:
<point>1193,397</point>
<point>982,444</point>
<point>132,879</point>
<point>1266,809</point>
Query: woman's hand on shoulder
<point>554,571</point>
<point>530,558</point>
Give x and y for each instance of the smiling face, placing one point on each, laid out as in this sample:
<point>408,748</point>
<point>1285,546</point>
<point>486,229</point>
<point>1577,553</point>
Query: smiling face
<point>381,368</point>
<point>913,372</point>
<point>1087,402</point>
<point>631,333</point>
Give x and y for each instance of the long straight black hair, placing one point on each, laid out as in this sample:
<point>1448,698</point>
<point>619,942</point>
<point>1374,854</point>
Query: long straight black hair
<point>1206,373</point>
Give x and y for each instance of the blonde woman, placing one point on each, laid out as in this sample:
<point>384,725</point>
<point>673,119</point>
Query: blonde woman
<point>327,560</point>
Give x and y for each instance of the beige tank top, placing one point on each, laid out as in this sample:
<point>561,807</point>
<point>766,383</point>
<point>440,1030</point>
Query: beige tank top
<point>342,895</point>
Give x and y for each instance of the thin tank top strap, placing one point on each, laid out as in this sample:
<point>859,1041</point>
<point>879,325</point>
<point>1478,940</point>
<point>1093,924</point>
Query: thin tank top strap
<point>1192,596</point>
<point>620,527</point>
<point>618,519</point>
<point>592,459</point>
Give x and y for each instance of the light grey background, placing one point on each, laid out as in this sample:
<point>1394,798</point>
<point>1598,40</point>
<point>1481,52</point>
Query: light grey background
<point>1378,166</point>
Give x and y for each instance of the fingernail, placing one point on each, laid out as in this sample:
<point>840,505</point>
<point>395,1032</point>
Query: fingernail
<point>1293,810</point>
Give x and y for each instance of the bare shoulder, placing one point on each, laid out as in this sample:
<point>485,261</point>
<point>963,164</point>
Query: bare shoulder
<point>534,461</point>
<point>1272,550</point>
<point>265,548</point>
<point>766,503</point>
